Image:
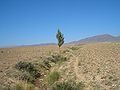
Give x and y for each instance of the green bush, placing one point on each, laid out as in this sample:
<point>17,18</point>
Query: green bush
<point>29,71</point>
<point>53,77</point>
<point>58,58</point>
<point>25,66</point>
<point>46,64</point>
<point>41,66</point>
<point>27,77</point>
<point>28,67</point>
<point>68,86</point>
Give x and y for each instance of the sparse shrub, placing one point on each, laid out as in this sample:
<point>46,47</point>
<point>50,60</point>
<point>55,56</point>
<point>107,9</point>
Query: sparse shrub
<point>65,51</point>
<point>1,51</point>
<point>74,48</point>
<point>28,67</point>
<point>110,77</point>
<point>53,77</point>
<point>5,87</point>
<point>31,87</point>
<point>47,64</point>
<point>27,77</point>
<point>41,65</point>
<point>58,58</point>
<point>68,86</point>
<point>35,73</point>
<point>30,73</point>
<point>79,63</point>
<point>116,79</point>
<point>23,86</point>
<point>18,87</point>
<point>25,66</point>
<point>108,83</point>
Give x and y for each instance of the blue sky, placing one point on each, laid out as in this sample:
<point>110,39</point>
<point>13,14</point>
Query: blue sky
<point>25,22</point>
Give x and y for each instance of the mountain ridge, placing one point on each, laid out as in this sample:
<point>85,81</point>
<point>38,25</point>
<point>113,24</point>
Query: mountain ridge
<point>98,38</point>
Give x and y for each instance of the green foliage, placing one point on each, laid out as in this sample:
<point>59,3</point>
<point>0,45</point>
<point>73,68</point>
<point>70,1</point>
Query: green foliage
<point>68,86</point>
<point>53,77</point>
<point>47,64</point>
<point>27,66</point>
<point>60,38</point>
<point>19,87</point>
<point>43,65</point>
<point>30,73</point>
<point>23,86</point>
<point>27,77</point>
<point>57,58</point>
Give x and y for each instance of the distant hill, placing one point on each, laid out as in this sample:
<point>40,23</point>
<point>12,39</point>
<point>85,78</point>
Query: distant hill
<point>41,44</point>
<point>98,38</point>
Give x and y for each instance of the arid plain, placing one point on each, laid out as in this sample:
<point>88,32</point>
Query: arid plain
<point>97,65</point>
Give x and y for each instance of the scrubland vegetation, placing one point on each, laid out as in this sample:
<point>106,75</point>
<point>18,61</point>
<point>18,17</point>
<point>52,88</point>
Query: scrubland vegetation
<point>78,67</point>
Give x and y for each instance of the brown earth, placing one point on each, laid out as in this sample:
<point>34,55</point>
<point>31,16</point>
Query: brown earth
<point>10,56</point>
<point>95,64</point>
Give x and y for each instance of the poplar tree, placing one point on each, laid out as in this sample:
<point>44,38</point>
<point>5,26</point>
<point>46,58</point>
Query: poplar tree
<point>60,39</point>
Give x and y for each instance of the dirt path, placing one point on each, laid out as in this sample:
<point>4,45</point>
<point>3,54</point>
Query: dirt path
<point>75,61</point>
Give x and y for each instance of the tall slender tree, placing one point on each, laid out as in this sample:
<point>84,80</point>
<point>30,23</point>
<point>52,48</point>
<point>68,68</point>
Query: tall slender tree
<point>60,39</point>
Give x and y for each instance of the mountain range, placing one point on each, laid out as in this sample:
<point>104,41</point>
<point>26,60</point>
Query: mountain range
<point>98,38</point>
<point>93,39</point>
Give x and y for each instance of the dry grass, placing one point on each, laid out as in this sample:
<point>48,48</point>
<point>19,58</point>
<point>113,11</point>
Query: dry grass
<point>95,64</point>
<point>98,65</point>
<point>10,56</point>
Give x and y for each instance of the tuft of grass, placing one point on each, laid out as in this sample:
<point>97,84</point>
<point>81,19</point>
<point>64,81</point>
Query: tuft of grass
<point>23,86</point>
<point>74,48</point>
<point>79,63</point>
<point>5,87</point>
<point>58,58</point>
<point>27,77</point>
<point>53,77</point>
<point>69,85</point>
<point>18,87</point>
<point>65,51</point>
